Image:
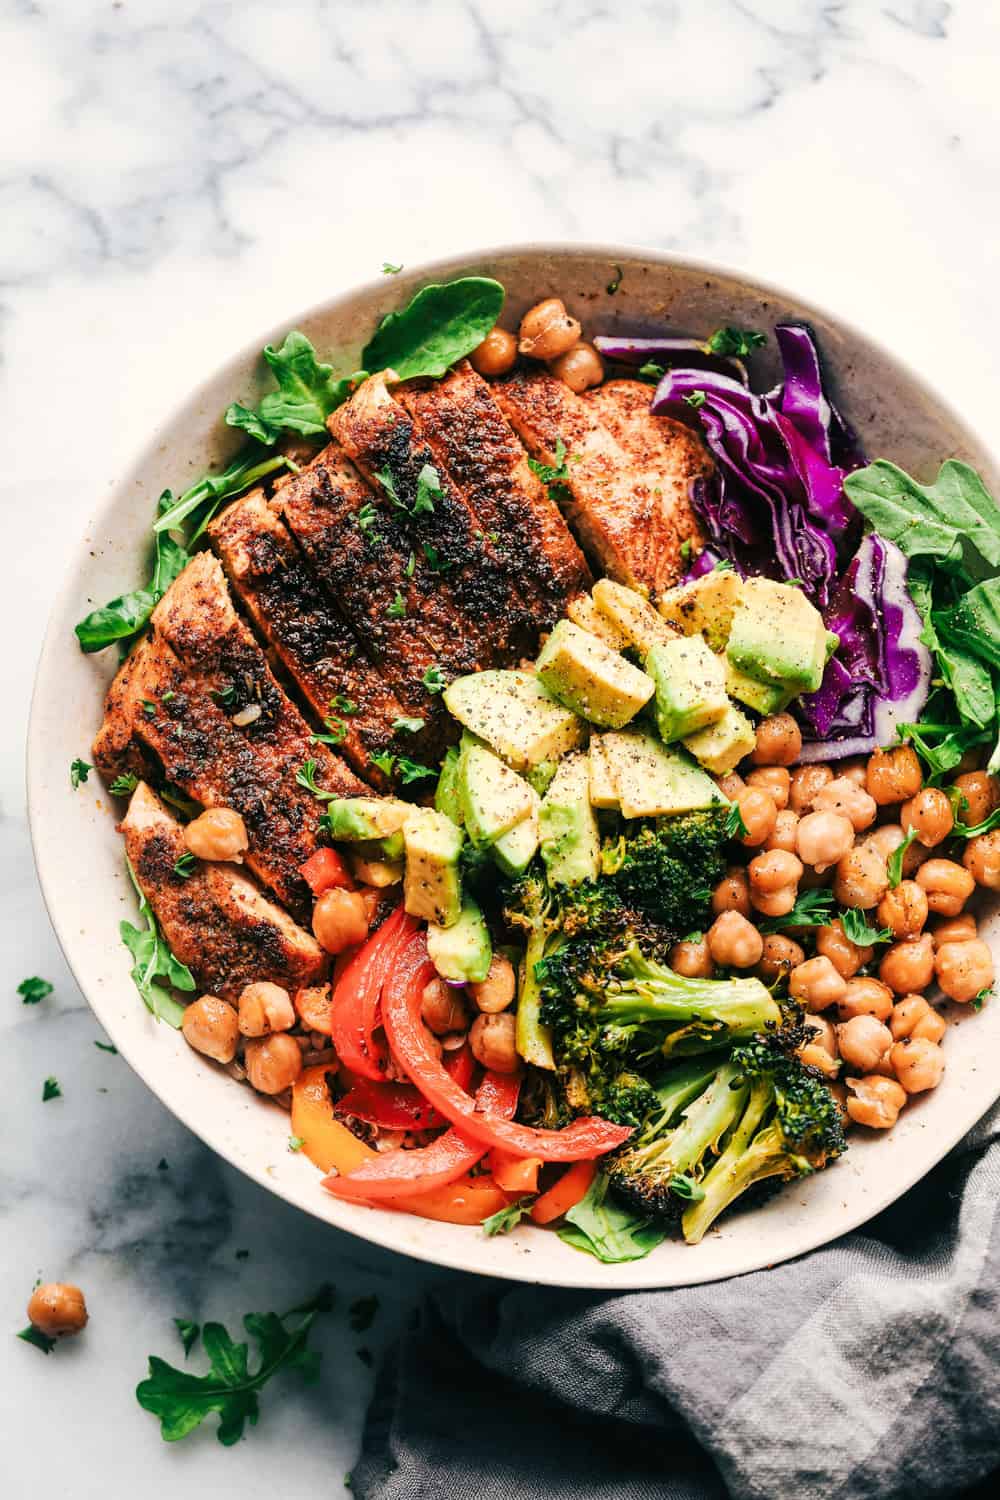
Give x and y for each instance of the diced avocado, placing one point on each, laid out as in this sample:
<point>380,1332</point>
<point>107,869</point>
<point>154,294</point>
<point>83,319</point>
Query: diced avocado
<point>690,686</point>
<point>603,792</point>
<point>653,781</point>
<point>539,777</point>
<point>515,850</point>
<point>446,798</point>
<point>723,745</point>
<point>570,842</point>
<point>350,819</point>
<point>515,715</point>
<point>432,884</point>
<point>706,605</point>
<point>762,697</point>
<point>493,798</point>
<point>632,615</point>
<point>588,677</point>
<point>377,872</point>
<point>390,848</point>
<point>461,952</point>
<point>778,636</point>
<point>584,612</point>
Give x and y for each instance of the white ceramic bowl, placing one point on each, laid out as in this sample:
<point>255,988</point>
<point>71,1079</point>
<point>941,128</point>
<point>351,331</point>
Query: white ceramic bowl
<point>79,854</point>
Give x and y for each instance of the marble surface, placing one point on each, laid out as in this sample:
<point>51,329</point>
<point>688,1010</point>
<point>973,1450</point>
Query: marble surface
<point>176,176</point>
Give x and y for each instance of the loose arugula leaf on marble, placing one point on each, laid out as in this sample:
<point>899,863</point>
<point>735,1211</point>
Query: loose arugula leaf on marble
<point>307,393</point>
<point>441,324</point>
<point>33,1335</point>
<point>33,990</point>
<point>188,1333</point>
<point>51,1090</point>
<point>182,1401</point>
<point>599,1226</point>
<point>156,971</point>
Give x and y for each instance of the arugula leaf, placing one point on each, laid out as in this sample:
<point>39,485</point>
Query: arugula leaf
<point>307,393</point>
<point>182,1401</point>
<point>894,864</point>
<point>735,827</point>
<point>603,1229</point>
<point>33,1335</point>
<point>79,770</point>
<point>33,990</point>
<point>189,1333</point>
<point>441,324</point>
<point>506,1219</point>
<point>51,1090</point>
<point>734,341</point>
<point>155,966</point>
<point>206,496</point>
<point>954,519</point>
<point>944,756</point>
<point>973,624</point>
<point>361,1313</point>
<point>122,618</point>
<point>124,785</point>
<point>811,909</point>
<point>856,929</point>
<point>407,726</point>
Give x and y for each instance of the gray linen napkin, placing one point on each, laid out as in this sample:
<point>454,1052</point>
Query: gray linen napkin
<point>869,1368</point>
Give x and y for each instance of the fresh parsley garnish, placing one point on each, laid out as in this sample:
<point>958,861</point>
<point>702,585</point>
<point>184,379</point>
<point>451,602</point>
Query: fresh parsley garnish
<point>736,342</point>
<point>397,609</point>
<point>433,680</point>
<point>857,930</point>
<point>388,269</point>
<point>686,548</point>
<point>651,371</point>
<point>696,399</point>
<point>811,909</point>
<point>155,971</point>
<point>435,561</point>
<point>79,770</point>
<point>361,1313</point>
<point>296,1142</point>
<point>185,867</point>
<point>182,1401</point>
<point>735,827</point>
<point>225,697</point>
<point>33,1335</point>
<point>615,281</point>
<point>306,776</point>
<point>51,1089</point>
<point>407,726</point>
<point>506,1219</point>
<point>124,785</point>
<point>342,705</point>
<point>412,770</point>
<point>385,479</point>
<point>385,761</point>
<point>557,473</point>
<point>107,1047</point>
<point>336,732</point>
<point>428,490</point>
<point>978,1001</point>
<point>894,864</point>
<point>188,1332</point>
<point>33,990</point>
<point>148,707</point>
<point>411,563</point>
<point>366,519</point>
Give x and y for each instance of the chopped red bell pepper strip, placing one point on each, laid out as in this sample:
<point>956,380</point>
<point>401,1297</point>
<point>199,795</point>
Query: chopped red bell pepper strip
<point>324,870</point>
<point>395,1174</point>
<point>355,1001</point>
<point>392,1106</point>
<point>586,1137</point>
<point>460,1066</point>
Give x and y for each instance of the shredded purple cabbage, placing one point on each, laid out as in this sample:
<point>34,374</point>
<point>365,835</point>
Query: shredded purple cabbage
<point>669,351</point>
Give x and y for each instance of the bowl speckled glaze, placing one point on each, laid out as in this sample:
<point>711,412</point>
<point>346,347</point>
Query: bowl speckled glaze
<point>79,854</point>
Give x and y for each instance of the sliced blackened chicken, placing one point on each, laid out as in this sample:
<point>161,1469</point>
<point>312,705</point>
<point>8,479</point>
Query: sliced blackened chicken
<point>215,920</point>
<point>475,448</point>
<point>613,502</point>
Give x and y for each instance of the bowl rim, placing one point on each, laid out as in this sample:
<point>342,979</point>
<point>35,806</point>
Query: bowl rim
<point>53,640</point>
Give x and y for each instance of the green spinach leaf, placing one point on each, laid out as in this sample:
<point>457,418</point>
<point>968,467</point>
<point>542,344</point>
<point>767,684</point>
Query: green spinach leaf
<point>441,324</point>
<point>954,519</point>
<point>973,624</point>
<point>600,1227</point>
<point>307,393</point>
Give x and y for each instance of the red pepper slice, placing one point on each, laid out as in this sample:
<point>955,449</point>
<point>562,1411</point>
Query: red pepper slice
<point>586,1137</point>
<point>324,870</point>
<point>392,1106</point>
<point>460,1066</point>
<point>396,1174</point>
<point>355,1000</point>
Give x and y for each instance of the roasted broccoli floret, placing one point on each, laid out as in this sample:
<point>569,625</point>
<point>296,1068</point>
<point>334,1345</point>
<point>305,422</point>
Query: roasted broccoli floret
<point>668,870</point>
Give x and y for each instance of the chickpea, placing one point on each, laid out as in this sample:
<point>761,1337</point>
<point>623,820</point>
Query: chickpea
<point>273,1063</point>
<point>731,785</point>
<point>780,956</point>
<point>903,910</point>
<point>908,967</point>
<point>863,1042</point>
<point>759,816</point>
<point>855,771</point>
<point>982,796</point>
<point>775,780</point>
<point>774,878</point>
<point>732,892</point>
<point>784,835</point>
<point>340,919</point>
<point>494,993</point>
<point>816,984</point>
<point>218,833</point>
<point>815,1056</point>
<point>964,969</point>
<point>862,878</point>
<point>917,1063</point>
<point>265,1008</point>
<point>496,354</point>
<point>893,775</point>
<point>915,1016</point>
<point>982,859</point>
<point>847,958</point>
<point>733,942</point>
<point>865,997</point>
<point>875,1101</point>
<point>579,368</point>
<point>492,1041</point>
<point>948,886</point>
<point>843,795</point>
<point>824,1033</point>
<point>57,1309</point>
<point>692,959</point>
<point>823,838</point>
<point>928,815</point>
<point>779,741</point>
<point>887,840</point>
<point>955,929</point>
<point>807,782</point>
<point>211,1026</point>
<point>442,1008</point>
<point>547,330</point>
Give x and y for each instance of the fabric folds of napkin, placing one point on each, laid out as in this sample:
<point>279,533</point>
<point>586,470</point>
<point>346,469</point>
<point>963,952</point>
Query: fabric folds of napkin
<point>867,1369</point>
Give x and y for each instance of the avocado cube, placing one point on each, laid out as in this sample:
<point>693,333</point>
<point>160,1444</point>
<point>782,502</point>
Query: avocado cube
<point>632,615</point>
<point>778,636</point>
<point>603,792</point>
<point>570,842</point>
<point>690,686</point>
<point>515,715</point>
<point>584,612</point>
<point>493,798</point>
<point>379,873</point>
<point>705,605</point>
<point>432,884</point>
<point>762,697</point>
<point>351,819</point>
<point>514,851</point>
<point>446,799</point>
<point>539,777</point>
<point>588,677</point>
<point>462,952</point>
<point>722,745</point>
<point>653,781</point>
